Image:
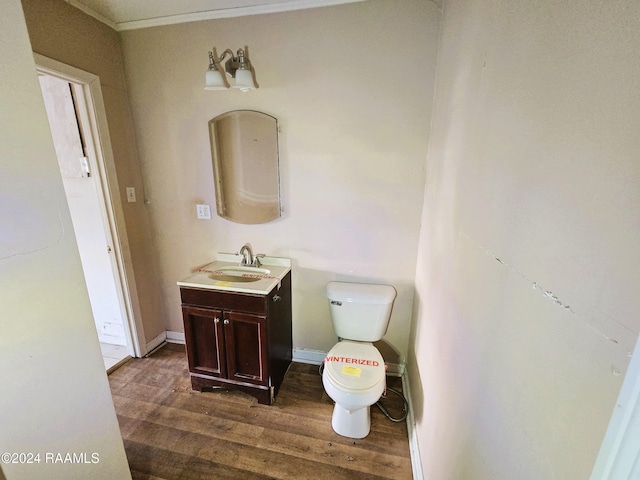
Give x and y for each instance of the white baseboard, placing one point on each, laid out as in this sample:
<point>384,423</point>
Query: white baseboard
<point>300,355</point>
<point>175,337</point>
<point>156,342</point>
<point>305,355</point>
<point>395,369</point>
<point>414,450</point>
<point>316,357</point>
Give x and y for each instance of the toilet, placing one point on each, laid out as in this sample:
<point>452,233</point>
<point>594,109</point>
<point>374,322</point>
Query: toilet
<point>354,371</point>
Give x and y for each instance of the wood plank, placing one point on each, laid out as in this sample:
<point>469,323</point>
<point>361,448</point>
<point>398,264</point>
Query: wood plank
<point>278,465</point>
<point>296,419</point>
<point>338,454</point>
<point>147,460</point>
<point>171,431</point>
<point>201,423</point>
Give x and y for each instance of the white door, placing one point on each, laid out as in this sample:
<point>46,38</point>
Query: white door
<point>86,213</point>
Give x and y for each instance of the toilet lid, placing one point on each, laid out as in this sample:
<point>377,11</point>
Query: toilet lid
<point>354,365</point>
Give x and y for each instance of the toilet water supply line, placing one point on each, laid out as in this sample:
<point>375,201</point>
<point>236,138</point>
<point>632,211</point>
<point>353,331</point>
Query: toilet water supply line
<point>405,408</point>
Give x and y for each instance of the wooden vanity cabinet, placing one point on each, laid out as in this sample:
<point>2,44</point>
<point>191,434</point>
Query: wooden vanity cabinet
<point>238,341</point>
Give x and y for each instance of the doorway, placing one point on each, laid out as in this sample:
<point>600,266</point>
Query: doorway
<point>73,111</point>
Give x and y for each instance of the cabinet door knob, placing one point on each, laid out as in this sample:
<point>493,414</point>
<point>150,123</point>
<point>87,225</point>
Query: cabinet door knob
<point>276,298</point>
<point>226,321</point>
<point>216,320</point>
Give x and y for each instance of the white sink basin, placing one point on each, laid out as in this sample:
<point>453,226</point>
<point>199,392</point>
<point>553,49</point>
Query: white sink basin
<point>226,274</point>
<point>239,274</point>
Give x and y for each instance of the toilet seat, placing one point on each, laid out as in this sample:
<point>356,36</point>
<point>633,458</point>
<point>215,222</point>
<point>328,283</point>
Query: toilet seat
<point>354,366</point>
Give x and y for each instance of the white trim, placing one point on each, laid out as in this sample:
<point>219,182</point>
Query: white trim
<point>210,14</point>
<point>396,369</point>
<point>92,13</point>
<point>300,355</point>
<point>619,457</point>
<point>229,13</point>
<point>156,342</point>
<point>414,450</point>
<point>316,357</point>
<point>305,355</point>
<point>175,337</point>
<point>107,183</point>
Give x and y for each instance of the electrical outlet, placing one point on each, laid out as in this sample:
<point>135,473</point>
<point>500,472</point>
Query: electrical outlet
<point>131,194</point>
<point>203,212</point>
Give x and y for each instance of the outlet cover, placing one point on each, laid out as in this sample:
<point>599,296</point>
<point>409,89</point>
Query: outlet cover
<point>203,212</point>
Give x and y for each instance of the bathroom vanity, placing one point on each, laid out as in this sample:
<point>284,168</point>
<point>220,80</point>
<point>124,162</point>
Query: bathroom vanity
<point>237,325</point>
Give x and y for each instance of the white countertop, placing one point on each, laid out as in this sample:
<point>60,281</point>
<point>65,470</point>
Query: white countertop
<point>277,268</point>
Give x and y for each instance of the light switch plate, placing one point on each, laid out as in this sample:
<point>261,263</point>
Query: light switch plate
<point>203,212</point>
<point>131,194</point>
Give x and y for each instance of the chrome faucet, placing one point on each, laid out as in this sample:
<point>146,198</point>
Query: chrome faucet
<point>247,256</point>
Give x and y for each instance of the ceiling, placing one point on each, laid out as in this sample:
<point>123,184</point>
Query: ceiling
<point>132,14</point>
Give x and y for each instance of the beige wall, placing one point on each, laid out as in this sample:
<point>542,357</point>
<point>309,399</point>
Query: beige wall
<point>62,32</point>
<point>524,308</point>
<point>526,289</point>
<point>351,87</point>
<point>55,395</point>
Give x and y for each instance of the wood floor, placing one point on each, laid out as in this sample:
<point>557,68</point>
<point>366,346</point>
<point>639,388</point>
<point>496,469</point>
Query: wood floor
<point>172,432</point>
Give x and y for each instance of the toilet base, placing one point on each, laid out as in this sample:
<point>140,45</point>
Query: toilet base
<point>351,424</point>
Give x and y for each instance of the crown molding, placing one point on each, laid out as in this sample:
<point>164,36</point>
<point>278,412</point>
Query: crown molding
<point>92,13</point>
<point>209,14</point>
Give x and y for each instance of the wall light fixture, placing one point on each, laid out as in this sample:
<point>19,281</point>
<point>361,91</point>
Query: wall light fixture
<point>237,67</point>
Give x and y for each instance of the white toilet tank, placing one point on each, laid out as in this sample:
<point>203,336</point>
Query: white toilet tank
<point>360,311</point>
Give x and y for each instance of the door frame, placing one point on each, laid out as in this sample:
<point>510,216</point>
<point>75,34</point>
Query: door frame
<point>619,456</point>
<point>92,114</point>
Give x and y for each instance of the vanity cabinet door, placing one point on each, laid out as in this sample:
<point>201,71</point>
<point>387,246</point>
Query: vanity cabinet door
<point>204,337</point>
<point>246,343</point>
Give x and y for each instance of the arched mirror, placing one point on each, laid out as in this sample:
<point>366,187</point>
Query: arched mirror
<point>244,147</point>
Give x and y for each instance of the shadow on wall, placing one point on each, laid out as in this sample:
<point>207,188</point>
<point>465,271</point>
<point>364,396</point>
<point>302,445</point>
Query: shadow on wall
<point>417,394</point>
<point>412,368</point>
<point>312,330</point>
<point>2,477</point>
<point>389,353</point>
